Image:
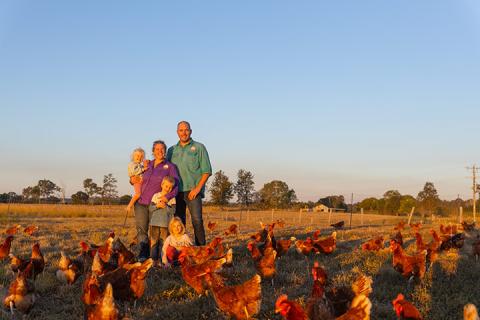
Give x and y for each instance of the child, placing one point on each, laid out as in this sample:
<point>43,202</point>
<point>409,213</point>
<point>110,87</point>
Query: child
<point>136,167</point>
<point>160,217</point>
<point>177,238</point>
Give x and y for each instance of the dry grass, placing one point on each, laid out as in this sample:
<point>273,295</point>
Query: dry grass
<point>449,285</point>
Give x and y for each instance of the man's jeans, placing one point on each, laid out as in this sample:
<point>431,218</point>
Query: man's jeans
<point>195,208</point>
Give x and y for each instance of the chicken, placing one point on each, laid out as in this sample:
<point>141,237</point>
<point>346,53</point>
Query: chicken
<point>404,309</point>
<point>13,230</point>
<point>100,267</point>
<point>240,301</point>
<point>283,245</point>
<point>476,247</point>
<point>265,264</point>
<point>338,225</point>
<point>340,299</point>
<point>433,248</point>
<point>419,243</point>
<point>211,226</point>
<point>90,250</point>
<point>105,251</point>
<point>5,247</point>
<point>359,309</point>
<point>316,234</point>
<point>400,226</point>
<point>263,234</point>
<point>232,230</point>
<point>470,312</point>
<point>30,230</point>
<point>374,244</point>
<point>200,254</point>
<point>105,309</point>
<point>21,294</point>
<point>318,307</point>
<point>280,223</point>
<point>468,226</point>
<point>451,229</point>
<point>18,264</point>
<point>128,281</point>
<point>124,255</point>
<point>290,310</point>
<point>398,238</point>
<point>455,241</point>
<point>37,260</point>
<point>69,271</point>
<point>194,274</point>
<point>91,290</point>
<point>305,247</point>
<point>415,226</point>
<point>326,245</point>
<point>408,266</point>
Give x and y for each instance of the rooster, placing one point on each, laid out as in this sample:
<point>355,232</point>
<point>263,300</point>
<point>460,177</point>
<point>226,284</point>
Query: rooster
<point>5,247</point>
<point>13,230</point>
<point>241,301</point>
<point>338,225</point>
<point>69,271</point>
<point>326,245</point>
<point>232,230</point>
<point>400,226</point>
<point>404,309</point>
<point>290,310</point>
<point>105,309</point>
<point>408,266</point>
<point>21,294</point>
<point>211,226</point>
<point>476,247</point>
<point>194,274</point>
<point>374,244</point>
<point>30,230</point>
<point>470,312</point>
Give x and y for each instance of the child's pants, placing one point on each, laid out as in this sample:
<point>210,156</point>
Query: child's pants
<point>157,237</point>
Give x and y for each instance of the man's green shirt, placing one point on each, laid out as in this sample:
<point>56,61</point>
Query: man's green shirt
<point>192,161</point>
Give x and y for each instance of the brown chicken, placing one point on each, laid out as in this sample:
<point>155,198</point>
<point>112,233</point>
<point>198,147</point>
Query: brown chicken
<point>433,248</point>
<point>124,255</point>
<point>468,226</point>
<point>100,267</point>
<point>105,309</point>
<point>400,226</point>
<point>404,309</point>
<point>398,238</point>
<point>283,245</point>
<point>316,234</point>
<point>194,274</point>
<point>451,229</point>
<point>128,281</point>
<point>90,250</point>
<point>408,266</point>
<point>374,244</point>
<point>280,223</point>
<point>21,294</point>
<point>326,245</point>
<point>338,225</point>
<point>305,247</point>
<point>13,230</point>
<point>211,226</point>
<point>91,290</point>
<point>232,230</point>
<point>318,306</point>
<point>359,309</point>
<point>476,247</point>
<point>415,227</point>
<point>240,301</point>
<point>200,254</point>
<point>470,312</point>
<point>290,310</point>
<point>69,270</point>
<point>265,264</point>
<point>5,247</point>
<point>419,243</point>
<point>37,261</point>
<point>18,264</point>
<point>30,230</point>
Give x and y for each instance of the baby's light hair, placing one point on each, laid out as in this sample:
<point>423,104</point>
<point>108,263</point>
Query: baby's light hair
<point>172,222</point>
<point>137,150</point>
<point>169,179</point>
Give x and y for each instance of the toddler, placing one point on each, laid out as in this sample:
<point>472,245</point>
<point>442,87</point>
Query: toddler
<point>177,239</point>
<point>137,167</point>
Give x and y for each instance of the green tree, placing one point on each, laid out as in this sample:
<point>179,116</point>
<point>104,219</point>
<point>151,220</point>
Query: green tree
<point>108,191</point>
<point>277,194</point>
<point>336,202</point>
<point>428,198</point>
<point>407,202</point>
<point>369,204</point>
<point>125,199</point>
<point>47,188</point>
<point>80,198</point>
<point>392,201</point>
<point>91,188</point>
<point>244,188</point>
<point>31,194</point>
<point>221,189</point>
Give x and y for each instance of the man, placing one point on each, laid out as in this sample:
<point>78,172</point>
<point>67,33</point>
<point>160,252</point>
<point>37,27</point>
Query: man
<point>194,168</point>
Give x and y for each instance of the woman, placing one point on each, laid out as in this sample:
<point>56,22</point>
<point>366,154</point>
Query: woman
<point>151,184</point>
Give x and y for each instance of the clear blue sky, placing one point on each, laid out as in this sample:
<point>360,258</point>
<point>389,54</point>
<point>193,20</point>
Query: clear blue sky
<point>332,97</point>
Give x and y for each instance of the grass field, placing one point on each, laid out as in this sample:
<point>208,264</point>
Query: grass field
<point>447,287</point>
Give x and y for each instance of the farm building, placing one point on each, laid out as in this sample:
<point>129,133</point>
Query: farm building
<point>321,208</point>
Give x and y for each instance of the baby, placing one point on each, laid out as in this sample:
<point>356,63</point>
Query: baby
<point>177,239</point>
<point>162,211</point>
<point>137,167</point>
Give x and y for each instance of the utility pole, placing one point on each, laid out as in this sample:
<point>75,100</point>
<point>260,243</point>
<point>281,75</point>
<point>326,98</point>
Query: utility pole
<point>351,211</point>
<point>474,191</point>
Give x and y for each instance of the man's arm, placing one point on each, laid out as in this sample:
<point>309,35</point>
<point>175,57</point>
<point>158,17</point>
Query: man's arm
<point>195,191</point>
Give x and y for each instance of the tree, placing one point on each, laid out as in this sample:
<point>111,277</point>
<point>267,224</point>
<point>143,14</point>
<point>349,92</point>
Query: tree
<point>10,197</point>
<point>392,201</point>
<point>91,188</point>
<point>335,202</point>
<point>407,202</point>
<point>244,187</point>
<point>369,203</point>
<point>31,194</point>
<point>428,198</point>
<point>80,197</point>
<point>125,199</point>
<point>276,194</point>
<point>109,188</point>
<point>221,189</point>
<point>47,188</point>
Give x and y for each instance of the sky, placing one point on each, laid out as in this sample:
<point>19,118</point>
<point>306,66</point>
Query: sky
<point>332,97</point>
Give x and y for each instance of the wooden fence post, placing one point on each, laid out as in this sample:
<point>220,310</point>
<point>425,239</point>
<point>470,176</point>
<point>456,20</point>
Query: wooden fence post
<point>361,216</point>
<point>329,216</point>
<point>411,214</point>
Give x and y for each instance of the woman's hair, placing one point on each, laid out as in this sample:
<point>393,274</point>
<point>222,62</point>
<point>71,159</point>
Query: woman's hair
<point>135,151</point>
<point>172,222</point>
<point>159,142</point>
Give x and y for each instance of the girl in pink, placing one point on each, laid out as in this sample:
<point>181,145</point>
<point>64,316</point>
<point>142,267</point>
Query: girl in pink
<point>177,239</point>
<point>137,167</point>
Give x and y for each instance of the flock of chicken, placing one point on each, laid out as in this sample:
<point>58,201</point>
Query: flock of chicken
<point>112,274</point>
